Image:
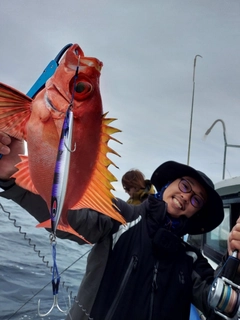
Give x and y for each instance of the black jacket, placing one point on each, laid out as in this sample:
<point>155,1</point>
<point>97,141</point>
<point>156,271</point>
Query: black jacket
<point>139,271</point>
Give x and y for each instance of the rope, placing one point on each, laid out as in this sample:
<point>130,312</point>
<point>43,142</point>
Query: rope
<point>33,245</point>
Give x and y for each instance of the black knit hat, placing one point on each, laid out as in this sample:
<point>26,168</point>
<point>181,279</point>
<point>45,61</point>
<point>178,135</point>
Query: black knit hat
<point>211,214</point>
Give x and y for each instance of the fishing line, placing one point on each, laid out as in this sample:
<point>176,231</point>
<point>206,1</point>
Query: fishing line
<point>66,288</point>
<point>75,80</point>
<point>46,263</point>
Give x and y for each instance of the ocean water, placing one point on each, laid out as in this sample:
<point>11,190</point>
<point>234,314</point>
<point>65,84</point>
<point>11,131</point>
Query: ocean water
<point>25,277</point>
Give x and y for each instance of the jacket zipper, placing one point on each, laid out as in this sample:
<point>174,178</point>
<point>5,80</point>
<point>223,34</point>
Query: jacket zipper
<point>154,288</point>
<point>131,267</point>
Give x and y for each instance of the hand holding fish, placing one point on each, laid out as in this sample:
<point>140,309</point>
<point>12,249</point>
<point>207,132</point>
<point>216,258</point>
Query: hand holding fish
<point>10,148</point>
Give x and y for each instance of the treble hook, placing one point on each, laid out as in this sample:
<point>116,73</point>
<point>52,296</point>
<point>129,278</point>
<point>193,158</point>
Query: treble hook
<point>55,302</point>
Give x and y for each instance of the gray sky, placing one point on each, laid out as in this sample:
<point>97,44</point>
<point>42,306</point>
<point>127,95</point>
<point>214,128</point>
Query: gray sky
<point>148,50</point>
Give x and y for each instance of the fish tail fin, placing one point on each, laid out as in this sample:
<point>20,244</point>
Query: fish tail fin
<point>14,111</point>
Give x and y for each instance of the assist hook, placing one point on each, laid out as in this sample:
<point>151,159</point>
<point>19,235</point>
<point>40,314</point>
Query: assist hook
<point>55,282</point>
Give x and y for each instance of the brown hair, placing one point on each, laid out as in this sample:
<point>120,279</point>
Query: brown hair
<point>133,179</point>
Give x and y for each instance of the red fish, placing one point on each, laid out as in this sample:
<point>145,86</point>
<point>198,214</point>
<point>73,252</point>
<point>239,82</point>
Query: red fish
<point>39,122</point>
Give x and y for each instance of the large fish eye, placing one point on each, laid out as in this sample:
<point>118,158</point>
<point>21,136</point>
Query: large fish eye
<point>83,87</point>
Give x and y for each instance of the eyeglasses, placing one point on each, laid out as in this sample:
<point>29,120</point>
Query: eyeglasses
<point>196,200</point>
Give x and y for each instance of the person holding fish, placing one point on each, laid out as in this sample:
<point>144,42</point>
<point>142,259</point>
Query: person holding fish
<point>138,188</point>
<point>141,269</point>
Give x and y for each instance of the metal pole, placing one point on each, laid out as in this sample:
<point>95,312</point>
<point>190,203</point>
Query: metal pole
<point>225,148</point>
<point>224,160</point>
<point>190,129</point>
<point>225,143</point>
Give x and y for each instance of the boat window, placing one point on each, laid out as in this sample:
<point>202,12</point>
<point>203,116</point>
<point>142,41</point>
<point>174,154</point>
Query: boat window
<point>217,238</point>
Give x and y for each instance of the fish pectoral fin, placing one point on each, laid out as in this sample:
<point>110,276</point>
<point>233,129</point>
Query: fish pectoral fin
<point>15,110</point>
<point>65,228</point>
<point>22,176</point>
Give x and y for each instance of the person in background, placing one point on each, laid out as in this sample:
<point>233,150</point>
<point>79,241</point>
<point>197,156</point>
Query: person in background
<point>142,270</point>
<point>134,183</point>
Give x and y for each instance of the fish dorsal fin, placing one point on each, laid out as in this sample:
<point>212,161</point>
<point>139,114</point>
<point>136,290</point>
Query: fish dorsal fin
<point>22,176</point>
<point>15,110</point>
<point>98,195</point>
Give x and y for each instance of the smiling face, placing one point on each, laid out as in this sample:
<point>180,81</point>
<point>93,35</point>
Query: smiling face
<point>186,202</point>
